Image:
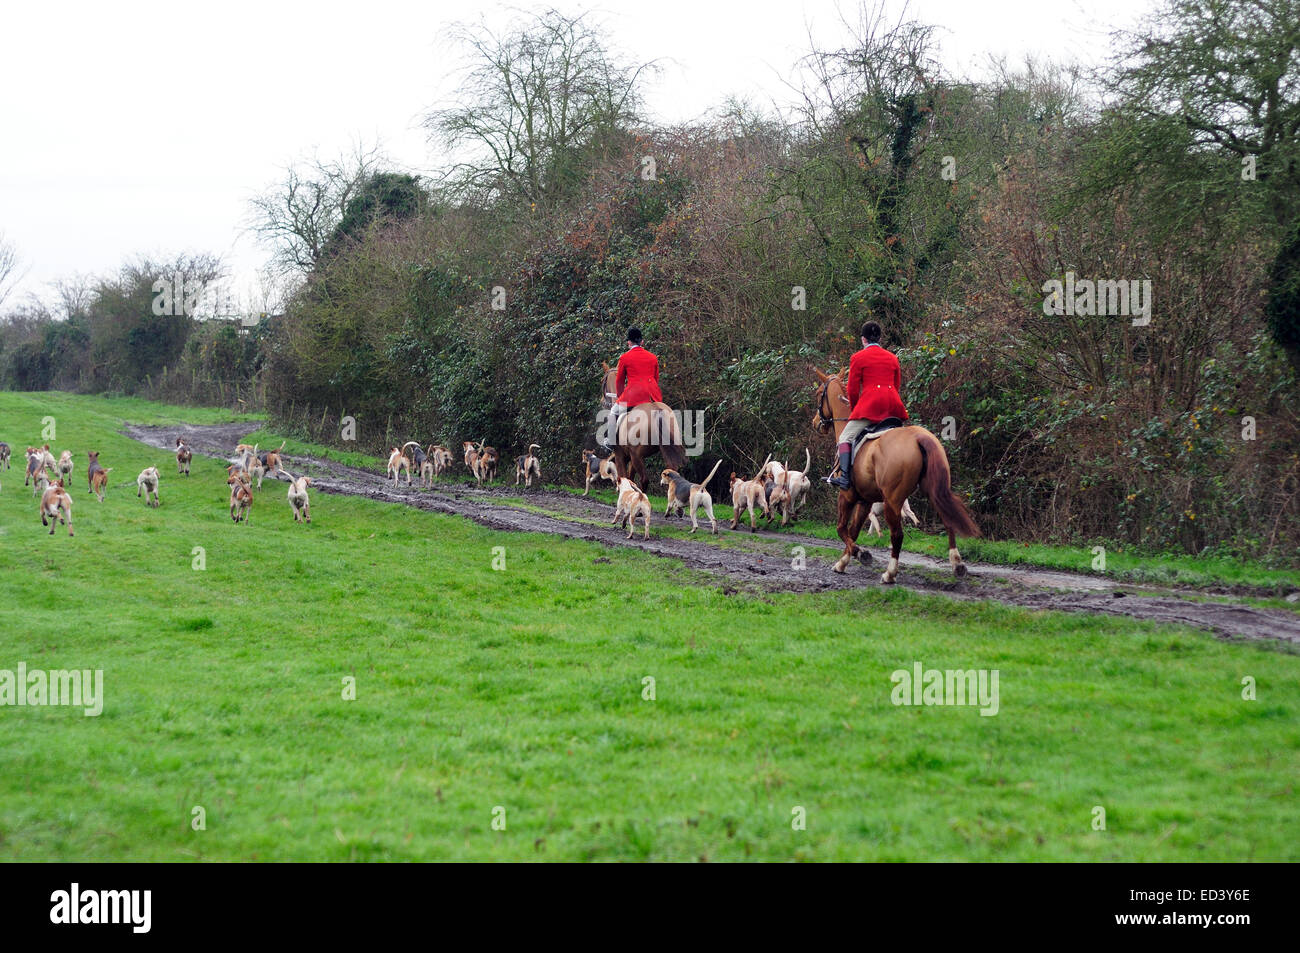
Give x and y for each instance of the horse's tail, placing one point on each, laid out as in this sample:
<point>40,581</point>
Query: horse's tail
<point>670,440</point>
<point>937,484</point>
<point>674,455</point>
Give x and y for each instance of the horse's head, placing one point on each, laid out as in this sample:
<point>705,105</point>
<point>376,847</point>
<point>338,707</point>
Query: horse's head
<point>608,385</point>
<point>831,396</point>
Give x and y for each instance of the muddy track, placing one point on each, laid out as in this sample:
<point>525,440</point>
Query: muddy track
<point>763,561</point>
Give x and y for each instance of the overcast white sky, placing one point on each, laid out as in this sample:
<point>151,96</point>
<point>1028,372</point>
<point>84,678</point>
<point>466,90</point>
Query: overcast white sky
<point>137,127</point>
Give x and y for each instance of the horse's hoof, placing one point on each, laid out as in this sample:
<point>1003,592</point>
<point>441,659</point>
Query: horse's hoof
<point>885,579</point>
<point>960,570</point>
<point>864,557</point>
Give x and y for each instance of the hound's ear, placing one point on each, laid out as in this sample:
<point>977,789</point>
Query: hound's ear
<point>816,370</point>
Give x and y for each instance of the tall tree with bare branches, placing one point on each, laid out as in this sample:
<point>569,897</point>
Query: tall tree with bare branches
<point>867,121</point>
<point>537,100</point>
<point>298,215</point>
<point>9,262</point>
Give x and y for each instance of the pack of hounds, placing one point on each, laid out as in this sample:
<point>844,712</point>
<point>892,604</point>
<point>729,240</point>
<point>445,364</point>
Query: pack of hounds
<point>253,463</point>
<point>482,461</point>
<point>775,489</point>
<point>51,479</point>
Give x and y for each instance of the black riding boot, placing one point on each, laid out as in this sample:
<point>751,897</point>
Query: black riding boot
<point>843,480</point>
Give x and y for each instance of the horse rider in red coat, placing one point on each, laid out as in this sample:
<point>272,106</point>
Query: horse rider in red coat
<point>636,381</point>
<point>875,382</point>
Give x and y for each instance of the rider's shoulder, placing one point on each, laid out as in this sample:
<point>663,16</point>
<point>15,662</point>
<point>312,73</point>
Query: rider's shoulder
<point>875,352</point>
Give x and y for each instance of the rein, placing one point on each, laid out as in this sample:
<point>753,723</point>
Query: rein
<point>826,421</point>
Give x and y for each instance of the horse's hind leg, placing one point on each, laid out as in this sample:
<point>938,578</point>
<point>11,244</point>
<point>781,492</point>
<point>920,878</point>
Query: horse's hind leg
<point>851,517</point>
<point>954,557</point>
<point>842,530</point>
<point>858,519</point>
<point>895,520</point>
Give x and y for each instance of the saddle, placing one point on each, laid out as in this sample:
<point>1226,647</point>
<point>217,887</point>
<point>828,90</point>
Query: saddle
<point>871,433</point>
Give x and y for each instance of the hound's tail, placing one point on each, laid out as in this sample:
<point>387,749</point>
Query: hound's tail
<point>937,484</point>
<point>705,482</point>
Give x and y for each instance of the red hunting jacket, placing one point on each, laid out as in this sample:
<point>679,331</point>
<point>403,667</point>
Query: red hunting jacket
<point>637,377</point>
<point>875,380</point>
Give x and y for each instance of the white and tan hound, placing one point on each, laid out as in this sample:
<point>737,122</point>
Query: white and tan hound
<point>397,462</point>
<point>746,494</point>
<point>298,498</point>
<point>631,504</point>
<point>147,483</point>
<point>56,500</point>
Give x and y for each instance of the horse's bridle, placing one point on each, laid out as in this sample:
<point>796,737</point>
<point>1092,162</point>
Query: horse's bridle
<point>825,421</point>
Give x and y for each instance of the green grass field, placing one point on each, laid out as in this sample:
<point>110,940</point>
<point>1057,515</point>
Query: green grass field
<point>518,694</point>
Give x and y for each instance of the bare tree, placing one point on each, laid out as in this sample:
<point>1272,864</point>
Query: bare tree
<point>882,72</point>
<point>297,216</point>
<point>868,116</point>
<point>535,100</point>
<point>9,262</point>
<point>75,296</point>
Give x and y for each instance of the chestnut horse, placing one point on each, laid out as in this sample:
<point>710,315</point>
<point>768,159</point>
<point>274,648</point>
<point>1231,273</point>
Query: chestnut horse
<point>642,430</point>
<point>887,470</point>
